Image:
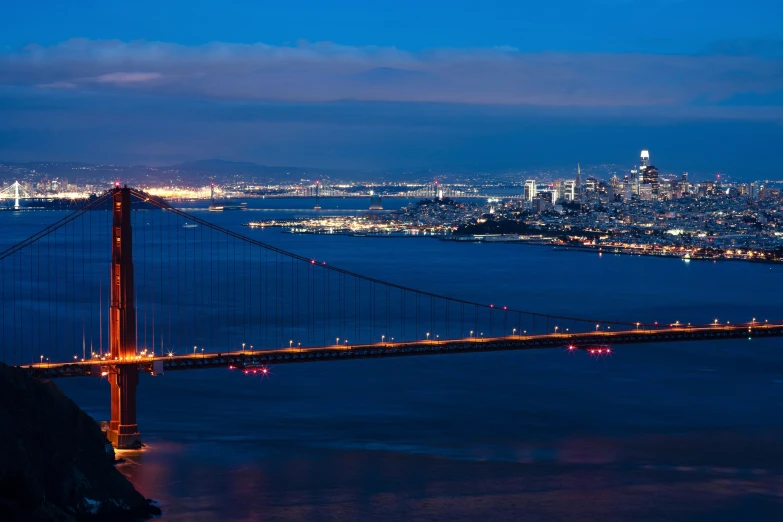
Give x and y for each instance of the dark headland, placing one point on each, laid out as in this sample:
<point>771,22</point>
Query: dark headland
<point>55,462</point>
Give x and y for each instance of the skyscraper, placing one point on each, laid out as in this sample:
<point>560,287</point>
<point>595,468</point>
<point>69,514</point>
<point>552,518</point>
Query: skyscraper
<point>644,160</point>
<point>569,190</point>
<point>578,184</point>
<point>651,178</point>
<point>530,189</point>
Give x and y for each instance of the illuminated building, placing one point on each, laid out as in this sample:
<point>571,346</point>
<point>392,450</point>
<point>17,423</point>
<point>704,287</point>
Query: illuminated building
<point>569,192</point>
<point>651,178</point>
<point>644,162</point>
<point>530,190</point>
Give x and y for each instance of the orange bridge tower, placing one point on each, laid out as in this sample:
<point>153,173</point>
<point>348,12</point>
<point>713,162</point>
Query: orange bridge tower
<point>124,370</point>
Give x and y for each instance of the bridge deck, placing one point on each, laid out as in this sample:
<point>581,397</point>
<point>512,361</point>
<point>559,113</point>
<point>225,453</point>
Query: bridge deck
<point>248,359</point>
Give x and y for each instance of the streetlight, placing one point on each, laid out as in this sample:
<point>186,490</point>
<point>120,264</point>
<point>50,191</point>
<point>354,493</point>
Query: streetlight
<point>202,353</point>
<point>42,360</point>
<point>194,350</point>
<point>337,341</point>
<point>382,338</point>
<point>290,343</point>
<point>596,327</point>
<point>471,333</point>
<point>513,331</point>
<point>637,325</point>
<point>428,336</point>
<point>556,327</point>
<point>243,347</point>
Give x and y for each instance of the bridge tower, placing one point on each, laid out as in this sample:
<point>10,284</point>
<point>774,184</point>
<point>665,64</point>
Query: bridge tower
<point>124,372</point>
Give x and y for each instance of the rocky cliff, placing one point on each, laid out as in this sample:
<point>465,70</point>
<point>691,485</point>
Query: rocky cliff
<point>55,462</point>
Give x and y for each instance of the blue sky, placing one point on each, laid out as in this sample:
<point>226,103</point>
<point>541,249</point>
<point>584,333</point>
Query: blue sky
<point>395,84</point>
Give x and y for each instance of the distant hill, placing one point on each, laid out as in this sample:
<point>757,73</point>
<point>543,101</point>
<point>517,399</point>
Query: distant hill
<point>219,167</point>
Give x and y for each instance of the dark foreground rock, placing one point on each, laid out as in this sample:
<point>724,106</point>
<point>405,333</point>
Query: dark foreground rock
<point>55,462</point>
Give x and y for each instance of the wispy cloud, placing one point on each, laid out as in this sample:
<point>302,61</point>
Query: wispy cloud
<point>122,78</point>
<point>323,72</point>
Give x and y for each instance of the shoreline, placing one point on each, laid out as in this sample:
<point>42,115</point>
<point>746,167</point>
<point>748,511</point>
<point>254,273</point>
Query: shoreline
<point>600,249</point>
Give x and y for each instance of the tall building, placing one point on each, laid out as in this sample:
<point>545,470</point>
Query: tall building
<point>578,184</point>
<point>644,160</point>
<point>651,178</point>
<point>530,190</point>
<point>569,190</point>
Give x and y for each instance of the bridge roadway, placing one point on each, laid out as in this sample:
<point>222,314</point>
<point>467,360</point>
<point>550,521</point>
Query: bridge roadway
<point>249,360</point>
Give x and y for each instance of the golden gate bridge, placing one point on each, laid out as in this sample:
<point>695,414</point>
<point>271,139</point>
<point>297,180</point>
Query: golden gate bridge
<point>129,284</point>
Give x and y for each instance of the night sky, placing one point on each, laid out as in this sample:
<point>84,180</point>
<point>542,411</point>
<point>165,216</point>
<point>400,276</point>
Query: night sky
<point>396,84</point>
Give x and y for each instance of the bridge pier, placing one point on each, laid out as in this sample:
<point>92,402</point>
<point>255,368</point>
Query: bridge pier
<point>123,430</point>
<point>124,372</point>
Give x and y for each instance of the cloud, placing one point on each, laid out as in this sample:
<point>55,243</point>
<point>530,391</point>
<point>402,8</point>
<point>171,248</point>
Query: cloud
<point>326,72</point>
<point>57,85</point>
<point>121,78</point>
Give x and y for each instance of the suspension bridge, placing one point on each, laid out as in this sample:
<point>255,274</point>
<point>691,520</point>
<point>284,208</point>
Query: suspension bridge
<point>16,192</point>
<point>129,284</point>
